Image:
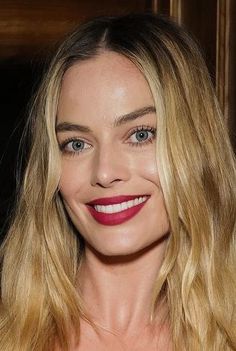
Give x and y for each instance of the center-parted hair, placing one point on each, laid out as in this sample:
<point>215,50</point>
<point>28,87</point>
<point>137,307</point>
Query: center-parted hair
<point>40,258</point>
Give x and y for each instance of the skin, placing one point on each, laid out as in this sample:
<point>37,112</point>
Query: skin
<point>121,262</point>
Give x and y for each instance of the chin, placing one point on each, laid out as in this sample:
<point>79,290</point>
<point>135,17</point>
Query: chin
<point>124,250</point>
<point>112,250</point>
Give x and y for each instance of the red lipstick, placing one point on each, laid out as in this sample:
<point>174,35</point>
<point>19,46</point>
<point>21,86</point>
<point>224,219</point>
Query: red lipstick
<point>117,217</point>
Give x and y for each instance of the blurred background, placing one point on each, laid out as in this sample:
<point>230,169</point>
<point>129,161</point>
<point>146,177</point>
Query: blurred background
<point>31,29</point>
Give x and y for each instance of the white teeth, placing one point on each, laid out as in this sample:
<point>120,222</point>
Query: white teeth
<point>116,208</point>
<point>124,206</point>
<point>120,207</point>
<point>130,203</point>
<point>108,209</point>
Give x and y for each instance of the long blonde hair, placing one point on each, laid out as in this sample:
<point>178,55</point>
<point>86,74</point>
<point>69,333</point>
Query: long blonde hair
<point>42,251</point>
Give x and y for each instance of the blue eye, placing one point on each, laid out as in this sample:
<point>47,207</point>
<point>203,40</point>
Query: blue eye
<point>77,145</point>
<point>142,135</point>
<point>73,146</point>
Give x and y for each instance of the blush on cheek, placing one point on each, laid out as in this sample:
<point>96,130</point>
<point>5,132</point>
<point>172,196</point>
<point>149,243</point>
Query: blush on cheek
<point>149,170</point>
<point>69,182</point>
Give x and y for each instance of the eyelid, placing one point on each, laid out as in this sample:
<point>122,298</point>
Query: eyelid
<point>65,142</point>
<point>134,130</point>
<point>142,128</point>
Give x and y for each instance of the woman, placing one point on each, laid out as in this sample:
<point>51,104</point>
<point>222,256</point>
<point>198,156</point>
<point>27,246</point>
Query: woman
<point>124,231</point>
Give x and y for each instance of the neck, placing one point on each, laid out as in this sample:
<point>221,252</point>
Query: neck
<point>118,291</point>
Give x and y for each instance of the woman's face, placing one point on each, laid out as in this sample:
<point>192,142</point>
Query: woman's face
<point>106,128</point>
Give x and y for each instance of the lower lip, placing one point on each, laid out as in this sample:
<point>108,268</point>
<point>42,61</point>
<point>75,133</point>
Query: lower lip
<point>115,218</point>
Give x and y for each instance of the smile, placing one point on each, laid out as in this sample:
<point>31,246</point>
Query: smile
<point>111,212</point>
<point>120,207</point>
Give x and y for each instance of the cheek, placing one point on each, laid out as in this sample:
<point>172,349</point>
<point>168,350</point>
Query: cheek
<point>146,166</point>
<point>149,172</point>
<point>72,178</point>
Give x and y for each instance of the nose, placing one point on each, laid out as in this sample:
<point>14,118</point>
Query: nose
<point>109,167</point>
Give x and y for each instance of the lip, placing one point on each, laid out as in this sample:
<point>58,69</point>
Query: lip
<point>114,200</point>
<point>118,217</point>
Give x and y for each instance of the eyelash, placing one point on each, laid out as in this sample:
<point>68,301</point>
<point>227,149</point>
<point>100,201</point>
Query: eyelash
<point>145,129</point>
<point>152,130</point>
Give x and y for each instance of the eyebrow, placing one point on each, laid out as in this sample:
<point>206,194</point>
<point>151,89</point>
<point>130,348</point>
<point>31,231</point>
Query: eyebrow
<point>71,127</point>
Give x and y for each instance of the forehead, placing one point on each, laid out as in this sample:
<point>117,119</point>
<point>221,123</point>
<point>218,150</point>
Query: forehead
<point>104,86</point>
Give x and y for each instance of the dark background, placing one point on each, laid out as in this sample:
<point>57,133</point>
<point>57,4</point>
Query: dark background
<point>30,31</point>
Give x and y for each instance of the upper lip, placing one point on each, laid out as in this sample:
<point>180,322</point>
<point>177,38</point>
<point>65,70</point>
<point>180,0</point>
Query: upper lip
<point>113,200</point>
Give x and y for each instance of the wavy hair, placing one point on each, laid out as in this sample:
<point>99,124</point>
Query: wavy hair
<point>42,252</point>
